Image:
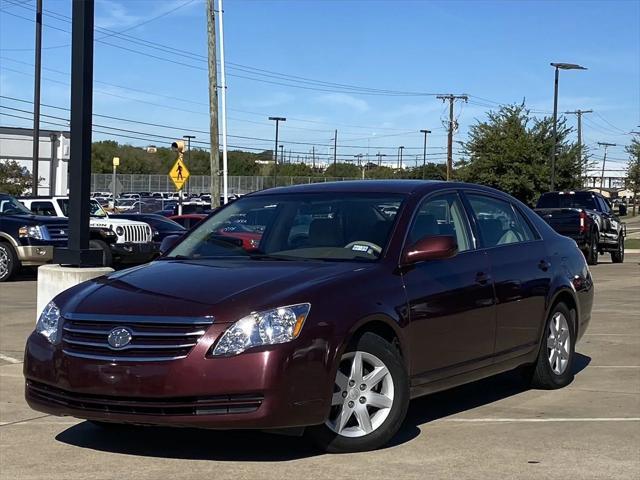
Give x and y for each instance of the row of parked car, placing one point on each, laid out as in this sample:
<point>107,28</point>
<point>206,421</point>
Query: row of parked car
<point>31,227</point>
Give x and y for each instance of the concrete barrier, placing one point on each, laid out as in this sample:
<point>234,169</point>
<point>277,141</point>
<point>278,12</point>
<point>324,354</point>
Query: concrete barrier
<point>53,279</point>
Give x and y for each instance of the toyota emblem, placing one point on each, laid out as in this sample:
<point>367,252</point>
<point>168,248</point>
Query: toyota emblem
<point>119,337</point>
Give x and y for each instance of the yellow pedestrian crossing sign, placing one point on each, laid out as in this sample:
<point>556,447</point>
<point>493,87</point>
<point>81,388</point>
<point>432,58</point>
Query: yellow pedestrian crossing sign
<point>179,174</point>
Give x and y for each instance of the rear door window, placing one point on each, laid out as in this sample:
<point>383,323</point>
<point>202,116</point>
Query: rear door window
<point>498,222</point>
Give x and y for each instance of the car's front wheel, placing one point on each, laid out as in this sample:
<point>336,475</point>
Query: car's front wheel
<point>617,256</point>
<point>9,263</point>
<point>369,400</point>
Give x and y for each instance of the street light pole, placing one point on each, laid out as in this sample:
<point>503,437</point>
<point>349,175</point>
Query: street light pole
<point>424,152</point>
<point>36,102</point>
<point>554,133</point>
<point>275,150</point>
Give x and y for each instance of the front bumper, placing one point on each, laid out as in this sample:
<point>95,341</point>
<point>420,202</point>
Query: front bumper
<point>134,252</point>
<point>278,388</point>
<point>33,255</point>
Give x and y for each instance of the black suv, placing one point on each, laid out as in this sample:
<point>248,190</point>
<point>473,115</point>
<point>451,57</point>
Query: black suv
<point>26,239</point>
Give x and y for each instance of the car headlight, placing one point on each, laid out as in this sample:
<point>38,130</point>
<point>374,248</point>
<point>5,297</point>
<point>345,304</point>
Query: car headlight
<point>38,232</point>
<point>48,322</point>
<point>279,325</point>
<point>119,231</point>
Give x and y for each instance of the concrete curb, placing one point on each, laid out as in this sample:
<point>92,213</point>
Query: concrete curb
<point>632,250</point>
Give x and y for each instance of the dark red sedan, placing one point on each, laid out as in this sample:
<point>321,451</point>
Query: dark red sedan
<point>358,297</point>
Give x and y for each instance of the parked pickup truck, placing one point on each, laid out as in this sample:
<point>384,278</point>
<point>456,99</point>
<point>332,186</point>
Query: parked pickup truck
<point>26,240</point>
<point>128,242</point>
<point>588,218</point>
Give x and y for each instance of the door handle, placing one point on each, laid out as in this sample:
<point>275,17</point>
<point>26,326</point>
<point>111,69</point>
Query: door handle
<point>544,265</point>
<point>482,278</point>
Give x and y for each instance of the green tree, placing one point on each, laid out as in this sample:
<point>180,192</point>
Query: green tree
<point>340,169</point>
<point>510,151</point>
<point>633,170</point>
<point>14,179</point>
<point>432,171</point>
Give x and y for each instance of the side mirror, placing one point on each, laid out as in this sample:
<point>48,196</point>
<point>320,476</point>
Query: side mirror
<point>433,247</point>
<point>168,243</point>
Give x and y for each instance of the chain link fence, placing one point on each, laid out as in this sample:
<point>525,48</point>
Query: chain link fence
<point>101,182</point>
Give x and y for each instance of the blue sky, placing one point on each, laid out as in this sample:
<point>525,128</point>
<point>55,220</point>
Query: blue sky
<point>495,51</point>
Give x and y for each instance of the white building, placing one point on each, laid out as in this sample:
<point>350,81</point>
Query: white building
<point>53,164</point>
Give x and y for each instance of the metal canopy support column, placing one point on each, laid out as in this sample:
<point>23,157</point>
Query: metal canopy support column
<point>77,252</point>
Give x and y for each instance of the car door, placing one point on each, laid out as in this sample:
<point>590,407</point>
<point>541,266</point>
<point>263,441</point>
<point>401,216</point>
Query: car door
<point>611,223</point>
<point>521,270</point>
<point>451,302</point>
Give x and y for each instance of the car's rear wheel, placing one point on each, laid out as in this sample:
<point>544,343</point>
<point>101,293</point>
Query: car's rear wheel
<point>9,263</point>
<point>617,256</point>
<point>592,250</point>
<point>369,400</point>
<point>554,366</point>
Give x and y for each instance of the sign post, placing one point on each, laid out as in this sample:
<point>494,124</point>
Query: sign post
<point>179,174</point>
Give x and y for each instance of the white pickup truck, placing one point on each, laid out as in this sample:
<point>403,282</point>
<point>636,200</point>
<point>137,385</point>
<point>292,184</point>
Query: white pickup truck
<point>129,241</point>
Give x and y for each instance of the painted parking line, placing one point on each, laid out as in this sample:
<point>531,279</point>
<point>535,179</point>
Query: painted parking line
<point>9,359</point>
<point>541,420</point>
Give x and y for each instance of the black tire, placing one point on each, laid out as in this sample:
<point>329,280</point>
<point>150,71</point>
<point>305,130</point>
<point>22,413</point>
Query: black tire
<point>9,262</point>
<point>107,256</point>
<point>592,251</point>
<point>542,374</point>
<point>330,441</point>
<point>617,256</point>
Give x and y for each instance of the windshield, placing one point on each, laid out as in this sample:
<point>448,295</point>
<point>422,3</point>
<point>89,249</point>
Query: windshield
<point>567,200</point>
<point>326,226</point>
<point>95,210</point>
<point>11,206</point>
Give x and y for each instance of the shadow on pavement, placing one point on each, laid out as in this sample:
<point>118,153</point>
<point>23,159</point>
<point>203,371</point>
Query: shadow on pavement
<point>256,446</point>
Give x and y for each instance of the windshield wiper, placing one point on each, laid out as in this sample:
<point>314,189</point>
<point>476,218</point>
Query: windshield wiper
<point>266,256</point>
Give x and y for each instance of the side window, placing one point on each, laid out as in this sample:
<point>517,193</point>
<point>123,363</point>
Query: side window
<point>498,222</point>
<point>604,205</point>
<point>43,208</point>
<point>442,215</point>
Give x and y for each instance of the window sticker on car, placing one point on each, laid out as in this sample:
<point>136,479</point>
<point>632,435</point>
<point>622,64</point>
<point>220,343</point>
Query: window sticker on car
<point>360,248</point>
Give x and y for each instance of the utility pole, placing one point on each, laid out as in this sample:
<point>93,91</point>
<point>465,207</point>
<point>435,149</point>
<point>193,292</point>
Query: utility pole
<point>604,161</point>
<point>335,148</point>
<point>579,113</point>
<point>380,155</point>
<point>213,105</point>
<point>313,156</point>
<point>275,150</point>
<point>400,148</point>
<point>451,99</point>
<point>36,101</point>
<point>424,152</point>
<point>223,90</point>
<point>359,157</point>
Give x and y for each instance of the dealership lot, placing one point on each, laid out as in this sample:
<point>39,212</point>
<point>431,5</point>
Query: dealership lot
<point>495,428</point>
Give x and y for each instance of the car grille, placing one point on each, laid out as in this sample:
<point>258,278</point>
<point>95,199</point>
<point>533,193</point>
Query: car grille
<point>137,233</point>
<point>152,338</point>
<point>212,405</point>
<point>58,231</point>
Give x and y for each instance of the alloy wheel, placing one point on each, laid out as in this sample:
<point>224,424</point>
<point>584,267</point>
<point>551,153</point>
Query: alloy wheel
<point>558,343</point>
<point>363,395</point>
<point>4,262</point>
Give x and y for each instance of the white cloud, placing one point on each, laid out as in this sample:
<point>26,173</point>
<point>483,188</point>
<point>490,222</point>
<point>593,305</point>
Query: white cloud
<point>113,14</point>
<point>342,99</point>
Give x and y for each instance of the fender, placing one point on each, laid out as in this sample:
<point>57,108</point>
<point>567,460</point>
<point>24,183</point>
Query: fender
<point>561,288</point>
<point>10,239</point>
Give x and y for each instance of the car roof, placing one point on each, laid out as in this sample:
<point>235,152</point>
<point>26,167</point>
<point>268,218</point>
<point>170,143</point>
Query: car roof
<point>372,186</point>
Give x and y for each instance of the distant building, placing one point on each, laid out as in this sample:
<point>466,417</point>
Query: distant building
<point>53,164</point>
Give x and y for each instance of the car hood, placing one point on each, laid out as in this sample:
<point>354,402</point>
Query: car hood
<point>225,289</point>
<point>108,221</point>
<point>37,219</point>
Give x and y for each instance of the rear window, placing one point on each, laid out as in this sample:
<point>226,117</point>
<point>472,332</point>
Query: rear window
<point>567,200</point>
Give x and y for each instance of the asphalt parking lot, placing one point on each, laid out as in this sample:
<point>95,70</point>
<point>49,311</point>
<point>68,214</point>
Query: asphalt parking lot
<point>495,428</point>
